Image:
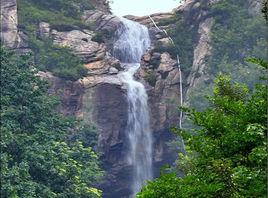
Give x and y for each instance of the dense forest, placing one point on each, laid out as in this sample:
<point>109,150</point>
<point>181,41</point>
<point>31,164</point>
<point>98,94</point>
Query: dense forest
<point>223,144</point>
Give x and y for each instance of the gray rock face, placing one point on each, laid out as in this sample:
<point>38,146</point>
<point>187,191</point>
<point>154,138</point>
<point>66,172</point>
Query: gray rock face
<point>44,30</point>
<point>69,92</point>
<point>9,22</point>
<point>164,94</point>
<point>105,23</point>
<point>199,71</point>
<point>157,17</point>
<point>10,36</point>
<point>255,7</point>
<point>81,43</point>
<point>110,110</point>
<point>107,65</point>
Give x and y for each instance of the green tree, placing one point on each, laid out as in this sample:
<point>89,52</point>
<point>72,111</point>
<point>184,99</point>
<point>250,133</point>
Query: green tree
<point>226,155</point>
<point>36,159</point>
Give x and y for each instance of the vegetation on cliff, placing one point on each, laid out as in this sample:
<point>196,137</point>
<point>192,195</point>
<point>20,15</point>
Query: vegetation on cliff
<point>183,35</point>
<point>39,155</point>
<point>226,155</point>
<point>62,16</point>
<point>237,33</point>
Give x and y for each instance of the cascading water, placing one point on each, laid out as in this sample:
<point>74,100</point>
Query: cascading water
<point>133,41</point>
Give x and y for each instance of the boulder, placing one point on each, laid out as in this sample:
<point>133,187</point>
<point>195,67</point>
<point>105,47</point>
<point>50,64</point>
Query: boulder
<point>44,30</point>
<point>166,63</point>
<point>106,23</point>
<point>107,65</point>
<point>113,70</point>
<point>81,44</point>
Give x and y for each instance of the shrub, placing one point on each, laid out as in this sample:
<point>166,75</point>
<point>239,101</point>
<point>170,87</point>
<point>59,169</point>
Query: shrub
<point>150,78</point>
<point>58,60</point>
<point>98,37</point>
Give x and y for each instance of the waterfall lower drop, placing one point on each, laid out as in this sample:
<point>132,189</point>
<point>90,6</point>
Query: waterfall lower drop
<point>133,41</point>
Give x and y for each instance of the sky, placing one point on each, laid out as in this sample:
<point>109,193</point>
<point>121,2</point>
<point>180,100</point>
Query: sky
<point>142,7</point>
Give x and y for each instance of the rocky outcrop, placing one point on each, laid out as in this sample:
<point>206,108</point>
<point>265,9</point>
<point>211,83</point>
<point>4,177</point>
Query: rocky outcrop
<point>157,17</point>
<point>44,30</point>
<point>161,75</point>
<point>104,23</point>
<point>9,23</point>
<point>198,18</point>
<point>199,72</point>
<point>10,35</point>
<point>70,93</point>
<point>255,6</point>
<point>81,44</point>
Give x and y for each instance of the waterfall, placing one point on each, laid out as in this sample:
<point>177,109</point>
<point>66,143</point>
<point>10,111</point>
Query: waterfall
<point>132,42</point>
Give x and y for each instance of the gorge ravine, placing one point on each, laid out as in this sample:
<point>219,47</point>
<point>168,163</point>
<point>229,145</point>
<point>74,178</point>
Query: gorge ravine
<point>133,41</point>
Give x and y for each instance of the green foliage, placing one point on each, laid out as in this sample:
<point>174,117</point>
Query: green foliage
<point>258,61</point>
<point>71,8</point>
<point>165,186</point>
<point>198,98</point>
<point>59,60</point>
<point>226,155</point>
<point>183,35</point>
<point>85,134</point>
<point>150,77</point>
<point>167,21</point>
<point>171,49</point>
<point>57,13</point>
<point>98,37</point>
<point>36,160</point>
<point>236,34</point>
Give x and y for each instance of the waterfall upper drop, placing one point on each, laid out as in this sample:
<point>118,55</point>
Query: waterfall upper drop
<point>133,40</point>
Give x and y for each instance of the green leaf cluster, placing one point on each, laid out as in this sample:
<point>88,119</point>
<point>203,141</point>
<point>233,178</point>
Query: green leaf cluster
<point>56,59</point>
<point>236,34</point>
<point>150,77</point>
<point>37,157</point>
<point>55,12</point>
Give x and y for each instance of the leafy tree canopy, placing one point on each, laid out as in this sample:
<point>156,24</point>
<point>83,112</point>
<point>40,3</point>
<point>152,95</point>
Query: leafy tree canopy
<point>36,158</point>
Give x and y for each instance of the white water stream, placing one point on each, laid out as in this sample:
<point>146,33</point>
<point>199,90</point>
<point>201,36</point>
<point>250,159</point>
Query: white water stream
<point>133,40</point>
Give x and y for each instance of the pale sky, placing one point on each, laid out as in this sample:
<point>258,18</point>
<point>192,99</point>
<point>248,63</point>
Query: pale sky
<point>142,7</point>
